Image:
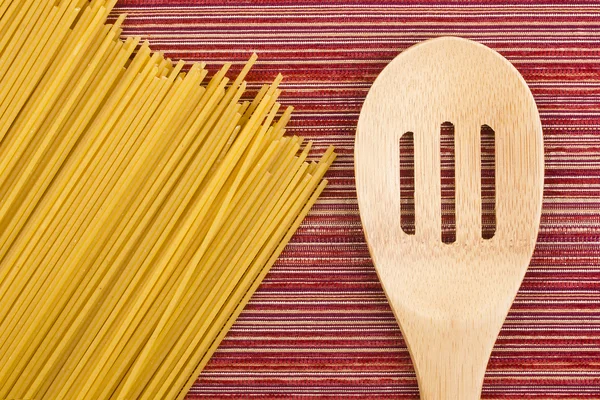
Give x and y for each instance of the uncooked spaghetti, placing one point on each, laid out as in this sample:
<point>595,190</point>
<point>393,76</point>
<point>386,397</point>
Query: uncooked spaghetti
<point>142,204</point>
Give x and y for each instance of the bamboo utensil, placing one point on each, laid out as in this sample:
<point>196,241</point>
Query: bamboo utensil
<point>450,299</point>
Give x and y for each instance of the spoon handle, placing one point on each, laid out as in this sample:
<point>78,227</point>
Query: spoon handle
<point>450,359</point>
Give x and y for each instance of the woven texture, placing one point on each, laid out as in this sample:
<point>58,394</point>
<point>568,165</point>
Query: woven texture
<point>320,326</point>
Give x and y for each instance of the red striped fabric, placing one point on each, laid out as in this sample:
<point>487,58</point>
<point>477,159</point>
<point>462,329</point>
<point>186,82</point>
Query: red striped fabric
<point>320,326</point>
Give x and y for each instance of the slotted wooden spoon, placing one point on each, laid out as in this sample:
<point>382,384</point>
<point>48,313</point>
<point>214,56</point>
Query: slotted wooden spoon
<point>450,299</point>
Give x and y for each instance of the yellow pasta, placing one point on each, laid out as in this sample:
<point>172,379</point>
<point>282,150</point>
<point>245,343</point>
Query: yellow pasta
<point>141,206</point>
<point>116,310</point>
<point>237,232</point>
<point>70,217</point>
<point>236,304</point>
<point>254,188</point>
<point>57,127</point>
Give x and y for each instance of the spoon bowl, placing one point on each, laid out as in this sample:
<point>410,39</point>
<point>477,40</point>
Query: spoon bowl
<point>450,300</point>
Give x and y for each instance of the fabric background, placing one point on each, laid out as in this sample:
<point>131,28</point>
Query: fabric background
<point>320,326</point>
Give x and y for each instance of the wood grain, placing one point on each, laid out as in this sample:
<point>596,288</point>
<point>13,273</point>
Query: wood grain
<point>450,299</point>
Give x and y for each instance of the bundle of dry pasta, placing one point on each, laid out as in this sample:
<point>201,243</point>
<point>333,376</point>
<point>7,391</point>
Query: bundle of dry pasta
<point>140,206</point>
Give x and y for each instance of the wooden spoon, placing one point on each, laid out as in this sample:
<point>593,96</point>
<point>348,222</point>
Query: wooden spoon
<point>450,299</point>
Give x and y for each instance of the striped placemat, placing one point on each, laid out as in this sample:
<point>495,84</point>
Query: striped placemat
<point>320,326</point>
